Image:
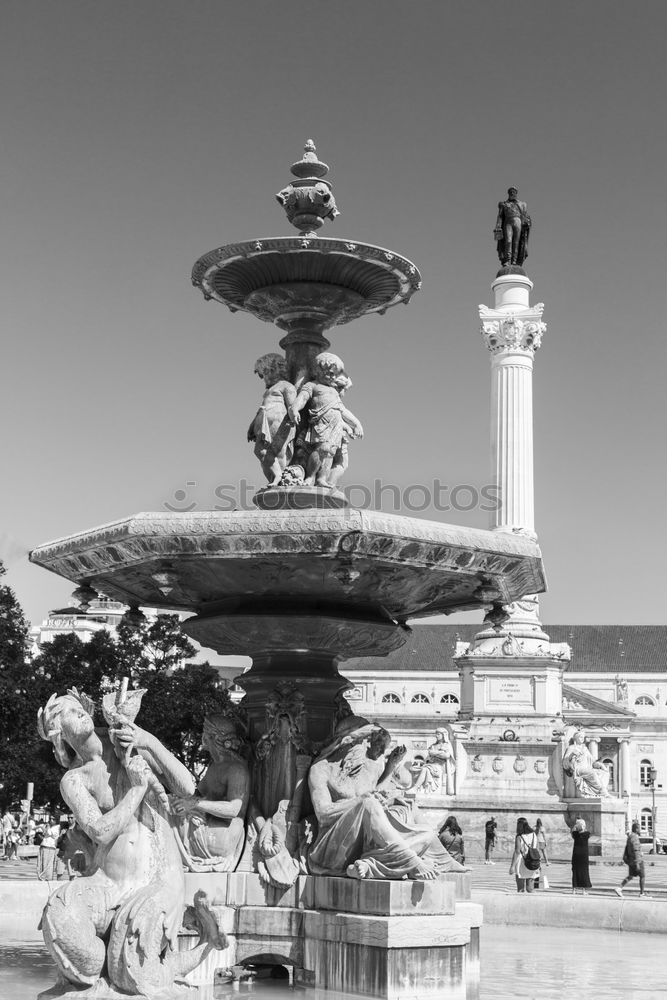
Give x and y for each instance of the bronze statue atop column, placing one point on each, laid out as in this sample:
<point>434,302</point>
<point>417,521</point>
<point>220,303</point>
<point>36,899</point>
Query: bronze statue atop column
<point>511,233</point>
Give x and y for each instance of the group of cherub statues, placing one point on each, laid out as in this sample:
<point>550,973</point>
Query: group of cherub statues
<point>281,806</point>
<point>301,429</point>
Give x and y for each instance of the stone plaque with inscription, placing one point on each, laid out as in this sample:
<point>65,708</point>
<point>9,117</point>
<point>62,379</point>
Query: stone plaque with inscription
<point>509,691</point>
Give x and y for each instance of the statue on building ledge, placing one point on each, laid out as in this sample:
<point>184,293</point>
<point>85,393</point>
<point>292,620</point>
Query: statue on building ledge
<point>114,933</point>
<point>590,777</point>
<point>436,774</point>
<point>366,827</point>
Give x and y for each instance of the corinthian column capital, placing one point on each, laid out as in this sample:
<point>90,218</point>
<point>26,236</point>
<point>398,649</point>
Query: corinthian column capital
<point>513,332</point>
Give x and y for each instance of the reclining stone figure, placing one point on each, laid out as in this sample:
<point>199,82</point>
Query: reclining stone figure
<point>366,828</point>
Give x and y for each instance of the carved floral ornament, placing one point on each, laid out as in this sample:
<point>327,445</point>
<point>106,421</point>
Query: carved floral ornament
<point>513,334</point>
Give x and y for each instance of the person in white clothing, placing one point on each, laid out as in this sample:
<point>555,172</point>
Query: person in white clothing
<point>524,841</point>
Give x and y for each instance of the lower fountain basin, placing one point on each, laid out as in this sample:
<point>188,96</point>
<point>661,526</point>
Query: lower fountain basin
<point>359,563</point>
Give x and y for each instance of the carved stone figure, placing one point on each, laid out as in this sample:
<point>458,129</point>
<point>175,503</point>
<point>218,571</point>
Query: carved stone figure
<point>116,930</point>
<point>512,230</point>
<point>329,423</point>
<point>366,830</point>
<point>591,777</point>
<point>212,828</point>
<point>621,688</point>
<point>282,757</point>
<point>437,773</point>
<point>271,430</point>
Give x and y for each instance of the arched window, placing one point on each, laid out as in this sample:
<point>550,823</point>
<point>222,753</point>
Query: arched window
<point>644,700</point>
<point>608,762</point>
<point>390,699</point>
<point>646,823</point>
<point>449,699</point>
<point>645,773</point>
<point>420,699</point>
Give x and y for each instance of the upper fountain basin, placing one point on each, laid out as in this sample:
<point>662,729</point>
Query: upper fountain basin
<point>360,560</point>
<point>278,279</point>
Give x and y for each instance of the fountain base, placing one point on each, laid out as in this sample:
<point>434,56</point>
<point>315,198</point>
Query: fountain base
<point>398,940</point>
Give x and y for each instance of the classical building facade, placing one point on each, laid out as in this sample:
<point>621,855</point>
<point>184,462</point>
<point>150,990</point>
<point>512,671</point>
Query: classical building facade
<point>614,686</point>
<point>101,613</point>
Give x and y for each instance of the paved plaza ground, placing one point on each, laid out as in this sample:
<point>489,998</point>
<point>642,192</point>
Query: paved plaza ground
<point>604,876</point>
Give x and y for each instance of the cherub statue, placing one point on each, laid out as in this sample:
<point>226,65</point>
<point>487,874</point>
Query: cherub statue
<point>212,818</point>
<point>271,430</point>
<point>366,828</point>
<point>330,424</point>
<point>591,777</point>
<point>117,929</point>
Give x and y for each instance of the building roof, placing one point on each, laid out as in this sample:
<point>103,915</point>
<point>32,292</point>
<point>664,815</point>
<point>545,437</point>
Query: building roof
<point>596,649</point>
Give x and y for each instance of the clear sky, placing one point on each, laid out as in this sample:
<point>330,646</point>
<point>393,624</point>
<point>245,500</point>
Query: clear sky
<point>136,136</point>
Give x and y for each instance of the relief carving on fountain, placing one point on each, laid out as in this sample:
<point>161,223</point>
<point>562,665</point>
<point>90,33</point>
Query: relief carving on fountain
<point>282,757</point>
<point>211,830</point>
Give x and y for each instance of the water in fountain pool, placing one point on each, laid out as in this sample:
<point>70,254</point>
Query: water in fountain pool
<point>530,963</point>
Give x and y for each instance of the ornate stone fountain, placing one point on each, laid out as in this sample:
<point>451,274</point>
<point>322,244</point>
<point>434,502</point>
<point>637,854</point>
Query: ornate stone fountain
<point>301,584</point>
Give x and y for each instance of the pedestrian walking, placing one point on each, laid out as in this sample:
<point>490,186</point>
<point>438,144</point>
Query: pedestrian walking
<point>525,864</point>
<point>541,840</point>
<point>450,836</point>
<point>12,841</point>
<point>489,840</point>
<point>46,864</point>
<point>7,826</point>
<point>632,857</point>
<point>581,878</point>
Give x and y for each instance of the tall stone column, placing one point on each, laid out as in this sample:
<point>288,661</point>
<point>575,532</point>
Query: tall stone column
<point>624,776</point>
<point>512,332</point>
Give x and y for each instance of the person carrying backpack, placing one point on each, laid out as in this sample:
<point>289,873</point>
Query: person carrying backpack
<point>525,864</point>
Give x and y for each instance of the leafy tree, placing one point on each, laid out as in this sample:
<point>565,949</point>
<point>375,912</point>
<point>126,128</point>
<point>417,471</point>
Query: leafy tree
<point>19,699</point>
<point>151,654</point>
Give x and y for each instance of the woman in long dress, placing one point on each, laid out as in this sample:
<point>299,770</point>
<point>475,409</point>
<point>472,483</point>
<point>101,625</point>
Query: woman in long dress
<point>581,878</point>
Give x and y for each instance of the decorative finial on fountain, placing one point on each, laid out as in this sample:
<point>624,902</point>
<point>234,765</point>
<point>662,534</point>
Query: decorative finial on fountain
<point>308,201</point>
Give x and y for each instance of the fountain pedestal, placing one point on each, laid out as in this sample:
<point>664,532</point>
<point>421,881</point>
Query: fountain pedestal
<point>396,940</point>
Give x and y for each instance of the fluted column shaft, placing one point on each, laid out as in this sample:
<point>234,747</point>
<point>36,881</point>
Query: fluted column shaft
<point>512,332</point>
<point>512,441</point>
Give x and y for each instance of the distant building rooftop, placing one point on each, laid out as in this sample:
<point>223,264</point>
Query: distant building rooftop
<point>595,649</point>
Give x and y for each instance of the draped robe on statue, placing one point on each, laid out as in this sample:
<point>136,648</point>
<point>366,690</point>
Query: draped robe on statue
<point>358,824</point>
